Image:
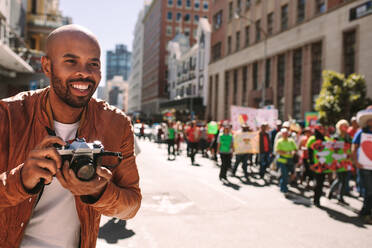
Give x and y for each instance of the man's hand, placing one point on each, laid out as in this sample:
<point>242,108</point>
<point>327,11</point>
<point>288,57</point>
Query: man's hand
<point>94,187</point>
<point>42,163</point>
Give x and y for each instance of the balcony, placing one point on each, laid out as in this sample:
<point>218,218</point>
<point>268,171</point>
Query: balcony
<point>45,23</point>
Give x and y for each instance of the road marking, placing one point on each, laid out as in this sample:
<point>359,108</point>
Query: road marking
<point>216,188</point>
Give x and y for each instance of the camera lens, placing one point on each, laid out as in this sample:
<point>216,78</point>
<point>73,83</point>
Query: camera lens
<point>83,167</point>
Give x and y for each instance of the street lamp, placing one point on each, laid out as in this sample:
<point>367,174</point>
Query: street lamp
<point>238,16</point>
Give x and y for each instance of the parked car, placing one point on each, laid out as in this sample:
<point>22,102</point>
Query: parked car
<point>147,133</point>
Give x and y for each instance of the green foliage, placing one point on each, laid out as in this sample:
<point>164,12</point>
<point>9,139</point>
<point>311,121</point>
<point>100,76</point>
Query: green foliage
<point>340,97</point>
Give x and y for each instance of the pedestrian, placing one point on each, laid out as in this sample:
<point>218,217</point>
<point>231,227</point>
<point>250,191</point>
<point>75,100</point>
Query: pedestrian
<point>179,132</point>
<point>365,122</point>
<point>319,135</point>
<point>339,183</point>
<point>307,175</point>
<point>225,148</point>
<point>265,150</point>
<point>354,127</point>
<point>286,148</point>
<point>142,131</point>
<point>171,141</point>
<point>193,136</point>
<point>42,201</point>
<point>242,157</point>
<point>203,142</point>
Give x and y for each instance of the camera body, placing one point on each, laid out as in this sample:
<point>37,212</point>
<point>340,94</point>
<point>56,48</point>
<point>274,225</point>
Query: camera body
<point>85,157</point>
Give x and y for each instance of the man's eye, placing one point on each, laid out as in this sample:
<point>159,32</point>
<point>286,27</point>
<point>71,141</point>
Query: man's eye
<point>70,61</point>
<point>94,64</point>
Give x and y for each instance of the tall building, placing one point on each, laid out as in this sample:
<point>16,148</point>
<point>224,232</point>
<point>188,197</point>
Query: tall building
<point>268,52</point>
<point>117,92</point>
<point>118,62</point>
<point>164,20</point>
<point>188,74</point>
<point>135,79</point>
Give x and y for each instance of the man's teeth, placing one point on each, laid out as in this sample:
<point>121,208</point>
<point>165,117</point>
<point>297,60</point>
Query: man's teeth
<point>80,86</point>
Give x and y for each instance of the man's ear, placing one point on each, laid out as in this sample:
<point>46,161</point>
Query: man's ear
<point>47,66</point>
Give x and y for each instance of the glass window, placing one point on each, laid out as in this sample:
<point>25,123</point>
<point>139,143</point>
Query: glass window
<point>297,78</point>
<point>179,3</point>
<point>205,6</point>
<point>178,16</point>
<point>258,30</point>
<point>301,5</point>
<point>188,3</point>
<point>349,52</point>
<point>245,87</point>
<point>169,30</point>
<point>170,16</point>
<point>227,84</point>
<point>187,18</point>
<point>170,2</point>
<point>247,4</point>
<point>316,69</point>
<point>229,45</point>
<point>320,6</point>
<point>238,6</point>
<point>216,51</point>
<point>281,84</point>
<point>231,10</point>
<point>196,18</point>
<point>217,20</point>
<point>187,32</point>
<point>237,41</point>
<point>284,17</point>
<point>270,23</point>
<point>235,87</point>
<point>197,4</point>
<point>255,75</point>
<point>268,73</point>
<point>247,41</point>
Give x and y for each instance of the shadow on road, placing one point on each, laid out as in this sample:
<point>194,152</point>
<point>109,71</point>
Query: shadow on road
<point>230,184</point>
<point>114,230</point>
<point>299,199</point>
<point>357,221</point>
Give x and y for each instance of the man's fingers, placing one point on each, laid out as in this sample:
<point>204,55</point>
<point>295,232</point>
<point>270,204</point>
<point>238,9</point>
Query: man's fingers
<point>49,141</point>
<point>49,153</point>
<point>45,164</point>
<point>42,173</point>
<point>104,172</point>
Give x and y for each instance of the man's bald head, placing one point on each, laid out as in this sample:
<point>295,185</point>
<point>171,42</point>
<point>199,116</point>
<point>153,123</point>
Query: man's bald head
<point>67,32</point>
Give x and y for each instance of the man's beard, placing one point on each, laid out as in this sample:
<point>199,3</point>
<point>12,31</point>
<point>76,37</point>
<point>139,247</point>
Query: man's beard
<point>65,95</point>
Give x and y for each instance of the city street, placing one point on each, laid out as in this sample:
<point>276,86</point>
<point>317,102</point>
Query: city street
<point>187,206</point>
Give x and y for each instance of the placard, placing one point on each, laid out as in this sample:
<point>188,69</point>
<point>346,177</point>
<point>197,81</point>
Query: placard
<point>246,142</point>
<point>365,151</point>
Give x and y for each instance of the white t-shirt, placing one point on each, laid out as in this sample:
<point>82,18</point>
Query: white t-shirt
<point>54,221</point>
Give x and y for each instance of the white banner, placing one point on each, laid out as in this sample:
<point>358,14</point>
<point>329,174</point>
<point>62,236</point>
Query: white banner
<point>252,117</point>
<point>365,151</point>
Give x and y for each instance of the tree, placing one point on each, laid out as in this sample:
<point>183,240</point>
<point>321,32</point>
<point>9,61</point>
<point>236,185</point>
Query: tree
<point>340,97</point>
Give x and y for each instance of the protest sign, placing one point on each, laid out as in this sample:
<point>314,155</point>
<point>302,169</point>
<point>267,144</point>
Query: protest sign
<point>365,151</point>
<point>331,156</point>
<point>252,117</point>
<point>311,119</point>
<point>246,142</point>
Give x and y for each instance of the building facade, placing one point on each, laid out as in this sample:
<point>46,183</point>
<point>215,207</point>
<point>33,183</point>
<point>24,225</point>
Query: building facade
<point>117,92</point>
<point>188,74</point>
<point>135,79</point>
<point>164,20</point>
<point>273,52</point>
<point>118,62</point>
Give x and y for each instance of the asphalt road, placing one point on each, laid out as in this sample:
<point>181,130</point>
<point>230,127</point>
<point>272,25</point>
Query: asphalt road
<point>187,206</point>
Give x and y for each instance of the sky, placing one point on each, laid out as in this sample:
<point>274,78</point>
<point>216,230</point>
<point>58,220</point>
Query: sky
<point>112,21</point>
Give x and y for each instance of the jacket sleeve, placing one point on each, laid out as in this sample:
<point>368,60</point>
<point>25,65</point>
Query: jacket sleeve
<point>122,196</point>
<point>12,191</point>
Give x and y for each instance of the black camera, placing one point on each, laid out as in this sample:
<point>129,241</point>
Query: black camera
<point>85,157</point>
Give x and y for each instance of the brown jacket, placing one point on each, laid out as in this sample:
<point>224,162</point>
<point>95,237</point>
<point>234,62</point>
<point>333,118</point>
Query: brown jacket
<point>23,119</point>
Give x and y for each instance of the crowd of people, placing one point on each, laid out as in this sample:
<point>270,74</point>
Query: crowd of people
<point>295,151</point>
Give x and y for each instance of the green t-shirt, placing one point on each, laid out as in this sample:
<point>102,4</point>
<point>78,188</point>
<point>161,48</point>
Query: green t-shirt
<point>225,141</point>
<point>171,133</point>
<point>288,145</point>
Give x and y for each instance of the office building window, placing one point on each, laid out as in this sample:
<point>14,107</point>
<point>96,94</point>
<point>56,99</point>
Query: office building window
<point>169,30</point>
<point>297,78</point>
<point>247,4</point>
<point>245,85</point>
<point>178,16</point>
<point>197,4</point>
<point>170,16</point>
<point>170,3</point>
<point>179,3</point>
<point>281,70</point>
<point>255,75</point>
<point>258,30</point>
<point>238,6</point>
<point>187,18</point>
<point>235,87</point>
<point>349,52</point>
<point>216,51</point>
<point>229,45</point>
<point>178,30</point>
<point>320,6</point>
<point>226,97</point>
<point>187,32</point>
<point>34,7</point>
<point>205,6</point>
<point>247,41</point>
<point>237,40</point>
<point>270,23</point>
<point>284,17</point>
<point>196,18</point>
<point>316,70</point>
<point>281,84</point>
<point>267,73</point>
<point>188,4</point>
<point>231,10</point>
<point>301,5</point>
<point>217,20</point>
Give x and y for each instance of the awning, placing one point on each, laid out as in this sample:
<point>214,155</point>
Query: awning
<point>11,61</point>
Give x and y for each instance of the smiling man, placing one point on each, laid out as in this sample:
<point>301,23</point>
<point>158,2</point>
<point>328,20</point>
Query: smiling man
<point>42,201</point>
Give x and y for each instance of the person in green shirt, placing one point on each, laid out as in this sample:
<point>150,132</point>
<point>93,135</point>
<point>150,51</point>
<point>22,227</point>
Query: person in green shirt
<point>286,148</point>
<point>171,140</point>
<point>225,148</point>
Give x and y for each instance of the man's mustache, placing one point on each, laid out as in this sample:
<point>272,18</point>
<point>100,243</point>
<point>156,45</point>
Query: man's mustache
<point>81,80</point>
